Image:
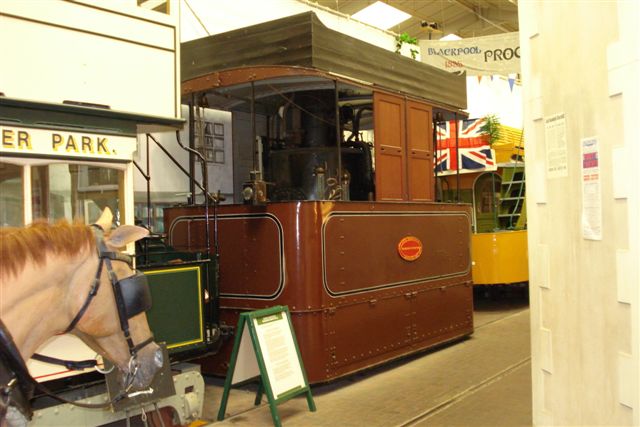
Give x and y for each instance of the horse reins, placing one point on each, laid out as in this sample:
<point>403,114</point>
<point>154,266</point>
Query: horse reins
<point>132,296</point>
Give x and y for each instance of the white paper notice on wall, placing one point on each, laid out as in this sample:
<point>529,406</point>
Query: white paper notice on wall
<point>555,138</point>
<point>591,191</point>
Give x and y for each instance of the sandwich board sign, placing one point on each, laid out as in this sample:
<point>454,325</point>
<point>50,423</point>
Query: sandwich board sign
<point>265,346</point>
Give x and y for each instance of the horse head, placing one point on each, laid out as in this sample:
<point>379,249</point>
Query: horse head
<point>112,321</point>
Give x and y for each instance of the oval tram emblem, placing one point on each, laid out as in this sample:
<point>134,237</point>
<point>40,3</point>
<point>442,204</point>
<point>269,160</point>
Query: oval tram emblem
<point>410,248</point>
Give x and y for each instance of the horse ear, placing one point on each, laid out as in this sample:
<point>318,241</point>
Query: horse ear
<point>105,219</point>
<point>125,234</point>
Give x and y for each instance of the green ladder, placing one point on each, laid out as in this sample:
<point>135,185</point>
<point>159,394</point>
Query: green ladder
<point>512,214</point>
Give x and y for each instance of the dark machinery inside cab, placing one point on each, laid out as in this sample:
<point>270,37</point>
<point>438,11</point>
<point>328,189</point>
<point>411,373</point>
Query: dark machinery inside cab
<point>313,140</point>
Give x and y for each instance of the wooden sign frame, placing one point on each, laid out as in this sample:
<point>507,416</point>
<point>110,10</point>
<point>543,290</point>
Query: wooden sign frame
<point>277,359</point>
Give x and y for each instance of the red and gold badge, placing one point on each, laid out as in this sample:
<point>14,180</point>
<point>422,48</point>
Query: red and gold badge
<point>410,248</point>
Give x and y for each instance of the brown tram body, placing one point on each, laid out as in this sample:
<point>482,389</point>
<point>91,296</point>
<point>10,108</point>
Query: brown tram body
<point>356,299</point>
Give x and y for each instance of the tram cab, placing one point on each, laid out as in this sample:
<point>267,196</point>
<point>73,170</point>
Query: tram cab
<point>333,211</point>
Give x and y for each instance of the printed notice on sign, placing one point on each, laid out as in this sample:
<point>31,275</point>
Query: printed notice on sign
<point>591,192</point>
<point>279,353</point>
<point>556,146</point>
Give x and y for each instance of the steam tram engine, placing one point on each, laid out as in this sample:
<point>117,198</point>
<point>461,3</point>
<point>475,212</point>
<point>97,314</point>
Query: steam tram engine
<point>333,211</point>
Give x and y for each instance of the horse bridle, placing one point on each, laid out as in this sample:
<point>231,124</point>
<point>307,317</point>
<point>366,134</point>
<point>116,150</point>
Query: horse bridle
<point>132,293</point>
<point>132,296</point>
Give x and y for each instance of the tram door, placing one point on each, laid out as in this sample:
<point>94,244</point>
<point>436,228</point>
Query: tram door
<point>403,149</point>
<point>486,196</point>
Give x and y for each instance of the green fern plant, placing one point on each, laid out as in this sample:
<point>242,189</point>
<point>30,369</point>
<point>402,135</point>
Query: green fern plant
<point>406,38</point>
<point>491,128</point>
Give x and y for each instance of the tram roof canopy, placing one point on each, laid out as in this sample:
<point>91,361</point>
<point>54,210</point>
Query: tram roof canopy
<point>302,41</point>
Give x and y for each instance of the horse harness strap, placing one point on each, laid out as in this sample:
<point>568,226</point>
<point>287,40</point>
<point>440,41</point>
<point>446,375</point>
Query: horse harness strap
<point>92,293</point>
<point>72,365</point>
<point>16,387</point>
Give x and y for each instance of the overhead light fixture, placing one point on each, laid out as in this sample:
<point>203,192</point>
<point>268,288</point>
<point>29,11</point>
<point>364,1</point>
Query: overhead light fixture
<point>429,25</point>
<point>381,15</point>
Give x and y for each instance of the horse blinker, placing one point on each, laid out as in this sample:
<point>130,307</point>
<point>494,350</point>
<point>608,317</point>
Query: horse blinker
<point>135,293</point>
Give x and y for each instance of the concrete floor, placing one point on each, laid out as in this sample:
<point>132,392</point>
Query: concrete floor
<point>482,381</point>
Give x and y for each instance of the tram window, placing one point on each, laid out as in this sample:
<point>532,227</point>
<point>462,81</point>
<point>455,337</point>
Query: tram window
<point>486,198</point>
<point>487,189</point>
<point>11,196</point>
<point>75,192</point>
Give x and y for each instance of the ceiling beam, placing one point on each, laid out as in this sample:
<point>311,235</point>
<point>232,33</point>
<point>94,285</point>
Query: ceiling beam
<point>465,4</point>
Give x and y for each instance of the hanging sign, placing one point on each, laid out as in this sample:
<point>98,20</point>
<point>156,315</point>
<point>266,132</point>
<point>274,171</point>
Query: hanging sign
<point>488,55</point>
<point>20,141</point>
<point>266,347</point>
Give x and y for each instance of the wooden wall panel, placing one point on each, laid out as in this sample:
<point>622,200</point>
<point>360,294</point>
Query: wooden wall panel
<point>390,155</point>
<point>419,151</point>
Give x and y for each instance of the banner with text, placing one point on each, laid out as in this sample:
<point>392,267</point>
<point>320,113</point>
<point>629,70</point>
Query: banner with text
<point>478,56</point>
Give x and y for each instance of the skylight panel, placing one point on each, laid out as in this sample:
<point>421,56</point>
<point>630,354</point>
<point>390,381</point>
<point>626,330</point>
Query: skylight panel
<point>381,15</point>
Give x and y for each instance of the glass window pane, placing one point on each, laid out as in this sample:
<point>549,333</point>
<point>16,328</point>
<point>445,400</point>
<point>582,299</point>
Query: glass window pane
<point>75,191</point>
<point>11,196</point>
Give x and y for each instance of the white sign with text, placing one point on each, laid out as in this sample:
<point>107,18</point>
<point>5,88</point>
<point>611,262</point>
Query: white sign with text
<point>478,56</point>
<point>279,353</point>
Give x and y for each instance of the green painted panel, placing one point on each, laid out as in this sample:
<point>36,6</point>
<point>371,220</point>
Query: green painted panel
<point>450,196</point>
<point>176,314</point>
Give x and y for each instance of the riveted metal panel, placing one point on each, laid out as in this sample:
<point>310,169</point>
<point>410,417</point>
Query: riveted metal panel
<point>387,306</point>
<point>357,260</point>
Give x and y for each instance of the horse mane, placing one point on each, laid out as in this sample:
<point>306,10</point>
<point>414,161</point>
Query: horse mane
<point>36,241</point>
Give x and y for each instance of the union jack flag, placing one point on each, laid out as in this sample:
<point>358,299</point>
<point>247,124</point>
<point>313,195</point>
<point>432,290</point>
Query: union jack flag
<point>475,152</point>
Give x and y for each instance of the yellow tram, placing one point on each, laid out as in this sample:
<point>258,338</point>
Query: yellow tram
<point>495,186</point>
